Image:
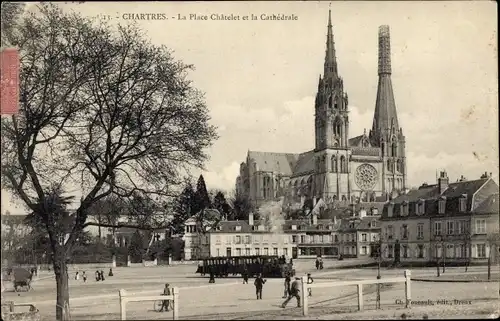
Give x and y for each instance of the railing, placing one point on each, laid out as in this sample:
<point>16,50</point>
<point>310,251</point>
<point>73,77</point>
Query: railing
<point>359,284</point>
<point>124,299</point>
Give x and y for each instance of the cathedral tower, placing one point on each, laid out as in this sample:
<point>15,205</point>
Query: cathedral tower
<point>386,133</point>
<point>331,174</point>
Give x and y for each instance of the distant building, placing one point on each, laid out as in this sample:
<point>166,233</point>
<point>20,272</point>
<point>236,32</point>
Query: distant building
<point>446,221</point>
<point>339,168</point>
<point>303,238</point>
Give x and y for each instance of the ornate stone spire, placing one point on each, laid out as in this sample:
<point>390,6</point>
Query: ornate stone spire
<point>330,59</point>
<point>385,117</point>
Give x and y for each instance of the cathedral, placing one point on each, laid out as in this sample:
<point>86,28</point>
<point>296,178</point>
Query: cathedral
<point>369,167</point>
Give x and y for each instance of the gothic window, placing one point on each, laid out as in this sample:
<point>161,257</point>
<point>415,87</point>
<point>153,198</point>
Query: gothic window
<point>389,165</point>
<point>309,186</point>
<point>330,102</point>
<point>295,188</point>
<point>343,164</point>
<point>383,149</point>
<point>334,164</point>
<point>394,149</point>
<point>401,167</point>
<point>336,106</point>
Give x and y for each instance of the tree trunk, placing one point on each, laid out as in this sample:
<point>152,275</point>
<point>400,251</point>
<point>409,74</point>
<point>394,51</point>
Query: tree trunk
<point>61,273</point>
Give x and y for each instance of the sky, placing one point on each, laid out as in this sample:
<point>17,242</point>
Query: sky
<point>260,77</point>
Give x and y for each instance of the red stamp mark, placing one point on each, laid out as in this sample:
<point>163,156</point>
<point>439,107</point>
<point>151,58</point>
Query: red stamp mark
<point>9,88</point>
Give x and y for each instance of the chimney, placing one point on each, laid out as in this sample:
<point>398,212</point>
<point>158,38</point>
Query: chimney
<point>335,220</point>
<point>443,182</point>
<point>250,219</point>
<point>314,201</point>
<point>362,212</point>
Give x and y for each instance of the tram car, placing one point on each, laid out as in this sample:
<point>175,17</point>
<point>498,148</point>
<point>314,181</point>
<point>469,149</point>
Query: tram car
<point>224,266</point>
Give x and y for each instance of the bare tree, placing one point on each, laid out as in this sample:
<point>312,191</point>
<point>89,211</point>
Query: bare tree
<point>102,109</point>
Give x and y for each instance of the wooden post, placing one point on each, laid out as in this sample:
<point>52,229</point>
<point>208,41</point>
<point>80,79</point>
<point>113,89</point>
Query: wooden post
<point>175,293</point>
<point>123,304</point>
<point>360,297</point>
<point>408,288</point>
<point>304,296</point>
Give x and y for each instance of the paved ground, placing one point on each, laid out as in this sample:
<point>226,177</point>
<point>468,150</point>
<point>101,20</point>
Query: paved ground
<point>229,299</point>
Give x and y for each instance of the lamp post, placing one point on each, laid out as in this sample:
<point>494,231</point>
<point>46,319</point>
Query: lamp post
<point>436,238</point>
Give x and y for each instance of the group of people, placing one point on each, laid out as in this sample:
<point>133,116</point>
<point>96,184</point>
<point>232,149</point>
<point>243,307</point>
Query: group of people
<point>99,275</point>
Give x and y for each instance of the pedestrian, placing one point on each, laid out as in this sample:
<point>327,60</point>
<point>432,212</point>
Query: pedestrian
<point>259,283</point>
<point>166,303</point>
<point>294,293</point>
<point>110,272</point>
<point>84,277</point>
<point>245,274</point>
<point>317,264</point>
<point>77,276</point>
<point>212,276</point>
<point>286,291</point>
<point>321,264</point>
<point>102,275</point>
<point>97,276</point>
<point>309,281</point>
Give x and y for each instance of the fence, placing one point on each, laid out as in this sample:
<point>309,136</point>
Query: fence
<point>359,283</point>
<point>124,299</point>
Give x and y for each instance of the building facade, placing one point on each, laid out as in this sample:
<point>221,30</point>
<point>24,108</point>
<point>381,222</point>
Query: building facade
<point>452,222</point>
<point>363,167</point>
<point>304,238</point>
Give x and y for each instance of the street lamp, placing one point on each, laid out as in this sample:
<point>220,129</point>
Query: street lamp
<point>438,238</point>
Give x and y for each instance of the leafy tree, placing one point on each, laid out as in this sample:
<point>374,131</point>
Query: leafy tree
<point>11,13</point>
<point>102,108</point>
<point>136,247</point>
<point>307,207</point>
<point>242,206</point>
<point>220,203</point>
<point>202,199</point>
<point>183,208</point>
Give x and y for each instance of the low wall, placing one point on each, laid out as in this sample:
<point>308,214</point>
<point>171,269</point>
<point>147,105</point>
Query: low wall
<point>89,266</point>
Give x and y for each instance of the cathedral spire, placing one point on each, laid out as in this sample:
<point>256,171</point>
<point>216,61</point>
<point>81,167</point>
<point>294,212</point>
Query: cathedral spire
<point>330,59</point>
<point>385,118</point>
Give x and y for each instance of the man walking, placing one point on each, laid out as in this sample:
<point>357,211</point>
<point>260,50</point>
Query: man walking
<point>294,292</point>
<point>286,291</point>
<point>259,283</point>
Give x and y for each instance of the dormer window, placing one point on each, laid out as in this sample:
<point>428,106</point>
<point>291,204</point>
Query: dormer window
<point>261,227</point>
<point>219,228</point>
<point>237,228</point>
<point>374,211</point>
<point>420,207</point>
<point>462,203</point>
<point>320,227</point>
<point>441,205</point>
<point>404,208</point>
<point>330,227</point>
<point>390,209</point>
<point>374,224</point>
<point>294,227</point>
